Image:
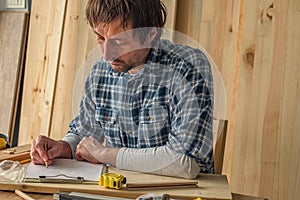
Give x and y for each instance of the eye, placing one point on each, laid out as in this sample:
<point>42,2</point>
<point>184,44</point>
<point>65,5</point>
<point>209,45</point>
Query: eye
<point>119,42</point>
<point>100,39</point>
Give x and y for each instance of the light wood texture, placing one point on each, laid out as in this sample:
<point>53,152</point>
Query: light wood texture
<point>43,53</point>
<point>75,62</point>
<point>220,146</point>
<point>266,150</point>
<point>62,105</point>
<point>23,195</point>
<point>171,6</point>
<point>13,196</point>
<point>256,45</point>
<point>246,197</point>
<point>20,153</point>
<point>12,42</point>
<point>209,187</point>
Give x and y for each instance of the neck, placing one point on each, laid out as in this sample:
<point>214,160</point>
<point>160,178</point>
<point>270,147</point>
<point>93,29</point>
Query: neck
<point>138,67</point>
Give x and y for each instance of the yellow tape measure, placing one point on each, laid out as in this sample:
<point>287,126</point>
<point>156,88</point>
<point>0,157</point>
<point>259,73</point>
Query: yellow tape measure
<point>112,180</point>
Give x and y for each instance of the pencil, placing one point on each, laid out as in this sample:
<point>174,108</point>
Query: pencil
<point>25,161</point>
<point>46,149</point>
<point>23,195</point>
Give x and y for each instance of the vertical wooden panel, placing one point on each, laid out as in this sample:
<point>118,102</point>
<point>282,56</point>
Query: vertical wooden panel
<point>244,103</point>
<point>62,106</point>
<point>13,29</point>
<point>43,51</point>
<point>255,44</point>
<point>171,6</point>
<point>289,149</point>
<point>224,47</point>
<point>267,143</point>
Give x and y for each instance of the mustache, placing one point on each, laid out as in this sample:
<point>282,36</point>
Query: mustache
<point>116,60</point>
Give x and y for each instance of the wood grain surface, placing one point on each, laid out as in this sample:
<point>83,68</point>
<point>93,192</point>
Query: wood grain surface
<point>255,44</point>
<point>12,42</point>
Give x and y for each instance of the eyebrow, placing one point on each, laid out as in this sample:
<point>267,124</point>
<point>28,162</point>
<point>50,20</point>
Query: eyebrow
<point>97,34</point>
<point>112,38</point>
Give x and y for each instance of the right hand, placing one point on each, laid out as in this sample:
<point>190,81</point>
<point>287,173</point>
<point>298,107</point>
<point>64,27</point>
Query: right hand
<point>44,149</point>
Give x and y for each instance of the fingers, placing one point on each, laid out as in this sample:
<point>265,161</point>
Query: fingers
<point>39,150</point>
<point>82,153</point>
<point>38,153</point>
<point>78,156</point>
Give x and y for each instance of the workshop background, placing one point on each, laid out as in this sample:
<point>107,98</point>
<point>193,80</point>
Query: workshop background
<point>254,43</point>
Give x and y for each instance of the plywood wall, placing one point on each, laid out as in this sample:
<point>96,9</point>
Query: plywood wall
<point>256,46</point>
<point>43,55</point>
<point>13,31</point>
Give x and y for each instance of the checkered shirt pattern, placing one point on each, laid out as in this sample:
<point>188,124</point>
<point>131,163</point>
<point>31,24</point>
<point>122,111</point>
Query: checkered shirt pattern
<point>169,102</point>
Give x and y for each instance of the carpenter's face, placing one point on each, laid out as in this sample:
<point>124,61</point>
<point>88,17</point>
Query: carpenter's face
<point>120,47</point>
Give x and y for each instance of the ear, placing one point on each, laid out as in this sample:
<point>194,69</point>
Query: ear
<point>152,36</point>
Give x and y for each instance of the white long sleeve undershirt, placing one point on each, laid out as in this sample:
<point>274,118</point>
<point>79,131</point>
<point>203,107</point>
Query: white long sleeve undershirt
<point>159,160</point>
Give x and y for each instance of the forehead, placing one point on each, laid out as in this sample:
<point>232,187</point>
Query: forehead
<point>113,28</point>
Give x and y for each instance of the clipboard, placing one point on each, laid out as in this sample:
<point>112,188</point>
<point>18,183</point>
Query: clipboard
<point>64,171</point>
<point>58,179</point>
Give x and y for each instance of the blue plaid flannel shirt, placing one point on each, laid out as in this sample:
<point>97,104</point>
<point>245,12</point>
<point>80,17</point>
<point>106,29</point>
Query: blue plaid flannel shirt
<point>169,102</point>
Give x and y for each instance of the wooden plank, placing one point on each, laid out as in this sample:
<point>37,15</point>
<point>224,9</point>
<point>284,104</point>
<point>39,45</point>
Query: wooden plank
<point>209,187</point>
<point>13,196</point>
<point>288,179</point>
<point>62,105</point>
<point>12,41</point>
<point>267,149</point>
<point>225,40</point>
<point>43,51</point>
<point>171,6</point>
<point>19,153</point>
<point>78,43</point>
<point>245,103</point>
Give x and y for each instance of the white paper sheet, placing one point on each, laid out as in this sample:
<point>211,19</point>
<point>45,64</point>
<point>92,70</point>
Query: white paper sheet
<point>68,167</point>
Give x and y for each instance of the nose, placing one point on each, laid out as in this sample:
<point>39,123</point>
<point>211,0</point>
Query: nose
<point>110,51</point>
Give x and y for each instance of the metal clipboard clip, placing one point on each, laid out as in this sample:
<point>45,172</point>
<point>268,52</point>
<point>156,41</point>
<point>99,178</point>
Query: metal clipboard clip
<point>61,178</point>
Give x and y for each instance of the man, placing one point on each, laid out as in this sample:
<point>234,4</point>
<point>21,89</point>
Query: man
<point>150,100</point>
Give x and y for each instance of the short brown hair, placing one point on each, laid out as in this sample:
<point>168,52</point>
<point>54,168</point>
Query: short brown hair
<point>140,13</point>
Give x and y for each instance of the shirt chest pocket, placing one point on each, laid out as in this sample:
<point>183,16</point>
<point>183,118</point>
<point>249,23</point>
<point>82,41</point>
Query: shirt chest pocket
<point>152,121</point>
<point>106,116</point>
<point>154,114</point>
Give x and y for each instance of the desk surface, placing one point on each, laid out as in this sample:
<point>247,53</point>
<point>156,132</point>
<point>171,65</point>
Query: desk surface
<point>11,196</point>
<point>209,187</point>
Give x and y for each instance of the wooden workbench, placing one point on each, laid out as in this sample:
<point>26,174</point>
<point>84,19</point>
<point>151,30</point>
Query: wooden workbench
<point>209,186</point>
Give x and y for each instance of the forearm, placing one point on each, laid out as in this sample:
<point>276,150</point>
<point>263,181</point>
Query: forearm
<point>159,160</point>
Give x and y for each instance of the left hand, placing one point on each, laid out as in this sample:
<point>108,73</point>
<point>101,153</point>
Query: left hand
<point>91,150</point>
<point>87,148</point>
